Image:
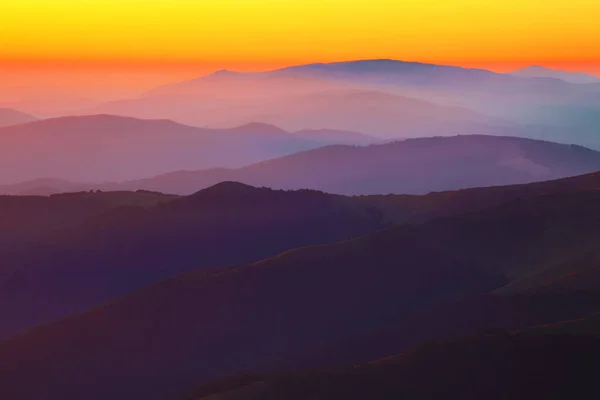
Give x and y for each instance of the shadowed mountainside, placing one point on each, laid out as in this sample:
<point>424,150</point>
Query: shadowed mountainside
<point>208,324</point>
<point>536,71</point>
<point>24,219</point>
<point>493,366</point>
<point>112,241</point>
<point>115,251</point>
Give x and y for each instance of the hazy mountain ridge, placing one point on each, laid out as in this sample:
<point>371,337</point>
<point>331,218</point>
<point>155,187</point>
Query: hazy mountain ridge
<point>26,218</point>
<point>536,71</point>
<point>368,110</point>
<point>9,117</point>
<point>537,101</point>
<point>104,148</point>
<point>415,166</point>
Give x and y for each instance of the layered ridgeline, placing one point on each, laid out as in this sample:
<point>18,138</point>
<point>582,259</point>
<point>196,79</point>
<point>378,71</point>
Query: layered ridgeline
<point>84,248</point>
<point>389,98</point>
<point>536,71</point>
<point>24,219</point>
<point>208,324</point>
<point>78,253</point>
<point>415,166</point>
<point>377,112</point>
<point>103,148</point>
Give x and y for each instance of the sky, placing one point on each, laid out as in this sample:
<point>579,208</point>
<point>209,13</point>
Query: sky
<point>129,45</point>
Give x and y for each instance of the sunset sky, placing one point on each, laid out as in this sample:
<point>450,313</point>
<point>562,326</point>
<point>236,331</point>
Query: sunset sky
<point>140,43</point>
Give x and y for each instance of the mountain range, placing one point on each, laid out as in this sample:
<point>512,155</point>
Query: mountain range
<point>371,229</point>
<point>375,112</point>
<point>388,98</point>
<point>536,71</point>
<point>104,148</point>
<point>26,218</point>
<point>93,252</point>
<point>414,166</point>
<point>501,247</point>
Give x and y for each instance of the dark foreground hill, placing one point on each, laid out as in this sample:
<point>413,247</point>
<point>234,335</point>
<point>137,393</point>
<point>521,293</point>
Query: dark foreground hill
<point>415,166</point>
<point>73,251</point>
<point>118,249</point>
<point>493,366</point>
<point>28,218</point>
<point>160,340</point>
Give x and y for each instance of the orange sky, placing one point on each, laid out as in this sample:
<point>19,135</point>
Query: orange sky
<point>120,46</point>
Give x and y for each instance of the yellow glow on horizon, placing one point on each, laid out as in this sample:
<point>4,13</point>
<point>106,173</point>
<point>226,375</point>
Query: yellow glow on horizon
<point>296,31</point>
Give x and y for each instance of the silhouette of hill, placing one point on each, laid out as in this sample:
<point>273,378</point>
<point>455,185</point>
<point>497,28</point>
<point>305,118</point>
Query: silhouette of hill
<point>10,117</point>
<point>499,366</point>
<point>115,251</point>
<point>241,318</point>
<point>413,166</point>
<point>413,72</point>
<point>209,324</point>
<point>104,148</point>
<point>480,313</point>
<point>536,71</point>
<point>26,218</point>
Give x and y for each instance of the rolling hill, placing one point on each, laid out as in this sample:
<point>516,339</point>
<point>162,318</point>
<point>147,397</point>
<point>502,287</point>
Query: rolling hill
<point>388,98</point>
<point>24,219</point>
<point>375,112</point>
<point>500,366</point>
<point>415,166</point>
<point>103,148</point>
<point>118,249</point>
<point>208,324</point>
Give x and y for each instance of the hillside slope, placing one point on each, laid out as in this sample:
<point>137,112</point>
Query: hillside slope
<point>105,148</point>
<point>414,166</point>
<point>210,324</point>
